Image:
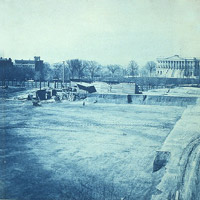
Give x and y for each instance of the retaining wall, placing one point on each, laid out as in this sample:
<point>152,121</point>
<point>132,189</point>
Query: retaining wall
<point>181,177</point>
<point>143,99</point>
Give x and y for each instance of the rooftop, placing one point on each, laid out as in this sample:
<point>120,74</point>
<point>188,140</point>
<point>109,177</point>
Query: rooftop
<point>25,62</point>
<point>5,59</point>
<point>176,58</point>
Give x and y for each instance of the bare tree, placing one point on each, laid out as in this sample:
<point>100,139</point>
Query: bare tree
<point>57,71</point>
<point>81,68</point>
<point>133,68</point>
<point>113,69</point>
<point>48,72</point>
<point>93,67</point>
<point>28,73</point>
<point>151,67</point>
<point>76,67</point>
<point>71,64</point>
<point>124,72</point>
<point>143,72</point>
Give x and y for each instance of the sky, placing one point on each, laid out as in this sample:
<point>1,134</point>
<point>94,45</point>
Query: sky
<point>107,31</point>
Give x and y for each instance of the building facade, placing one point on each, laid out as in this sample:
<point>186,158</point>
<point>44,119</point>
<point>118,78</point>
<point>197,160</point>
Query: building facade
<point>36,65</point>
<point>6,67</point>
<point>177,67</point>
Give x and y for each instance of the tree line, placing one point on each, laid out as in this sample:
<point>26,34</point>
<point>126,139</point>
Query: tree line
<point>78,69</point>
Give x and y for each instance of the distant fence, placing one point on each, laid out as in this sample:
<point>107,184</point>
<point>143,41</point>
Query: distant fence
<point>155,80</point>
<point>145,83</point>
<point>34,84</point>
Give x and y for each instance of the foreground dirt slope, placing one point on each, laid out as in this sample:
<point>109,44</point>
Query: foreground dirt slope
<point>181,179</point>
<point>69,151</point>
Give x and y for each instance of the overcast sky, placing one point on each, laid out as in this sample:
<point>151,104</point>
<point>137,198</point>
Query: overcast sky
<point>107,31</point>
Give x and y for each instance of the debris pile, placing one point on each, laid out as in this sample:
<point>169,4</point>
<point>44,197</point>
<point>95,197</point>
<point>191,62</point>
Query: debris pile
<point>73,93</point>
<point>76,91</point>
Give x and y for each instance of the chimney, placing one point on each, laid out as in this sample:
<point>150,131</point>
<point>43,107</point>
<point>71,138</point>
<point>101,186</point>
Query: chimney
<point>37,58</point>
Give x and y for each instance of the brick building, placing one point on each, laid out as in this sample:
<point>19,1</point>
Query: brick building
<point>37,65</point>
<point>6,66</point>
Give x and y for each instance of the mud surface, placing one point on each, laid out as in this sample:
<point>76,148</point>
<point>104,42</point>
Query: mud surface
<point>70,151</point>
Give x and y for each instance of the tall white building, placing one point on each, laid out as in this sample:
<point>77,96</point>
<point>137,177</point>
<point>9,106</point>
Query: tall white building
<point>177,67</point>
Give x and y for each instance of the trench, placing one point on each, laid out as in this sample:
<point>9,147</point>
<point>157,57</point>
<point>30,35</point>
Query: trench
<point>42,179</point>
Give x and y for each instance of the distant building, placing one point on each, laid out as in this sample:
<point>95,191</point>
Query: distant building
<point>5,68</point>
<point>25,63</point>
<point>37,65</point>
<point>177,67</point>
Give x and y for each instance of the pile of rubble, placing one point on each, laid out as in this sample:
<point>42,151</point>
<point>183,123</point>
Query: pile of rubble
<point>57,95</point>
